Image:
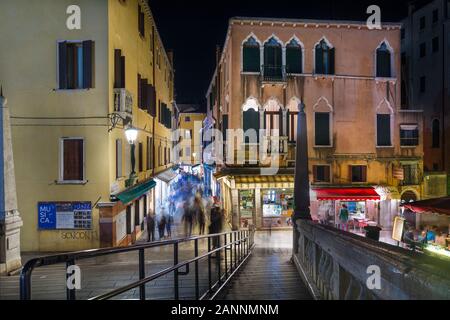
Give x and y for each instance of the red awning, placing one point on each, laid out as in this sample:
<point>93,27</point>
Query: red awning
<point>440,206</point>
<point>347,194</point>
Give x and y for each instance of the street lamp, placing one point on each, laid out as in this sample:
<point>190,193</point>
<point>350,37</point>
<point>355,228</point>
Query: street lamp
<point>132,134</point>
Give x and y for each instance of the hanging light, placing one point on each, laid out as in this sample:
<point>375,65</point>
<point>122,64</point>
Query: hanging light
<point>131,134</point>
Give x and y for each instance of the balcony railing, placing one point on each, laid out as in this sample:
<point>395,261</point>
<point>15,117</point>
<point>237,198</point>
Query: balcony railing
<point>123,101</point>
<point>273,73</point>
<point>276,145</point>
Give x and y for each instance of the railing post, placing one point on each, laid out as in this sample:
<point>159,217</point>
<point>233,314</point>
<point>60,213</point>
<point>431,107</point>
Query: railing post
<point>226,256</point>
<point>236,257</point>
<point>25,285</point>
<point>175,275</point>
<point>70,292</point>
<point>218,255</point>
<point>209,263</point>
<point>142,273</point>
<point>197,288</point>
<point>231,252</point>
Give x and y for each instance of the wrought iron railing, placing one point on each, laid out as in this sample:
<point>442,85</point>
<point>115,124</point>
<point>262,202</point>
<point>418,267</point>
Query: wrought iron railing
<point>237,247</point>
<point>273,73</point>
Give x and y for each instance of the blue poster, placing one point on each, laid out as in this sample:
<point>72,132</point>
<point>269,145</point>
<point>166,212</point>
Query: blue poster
<point>47,216</point>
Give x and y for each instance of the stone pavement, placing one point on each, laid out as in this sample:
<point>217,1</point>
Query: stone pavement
<point>269,273</point>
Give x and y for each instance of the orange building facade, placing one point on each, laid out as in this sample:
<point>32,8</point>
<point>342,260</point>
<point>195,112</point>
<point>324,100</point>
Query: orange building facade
<point>364,150</point>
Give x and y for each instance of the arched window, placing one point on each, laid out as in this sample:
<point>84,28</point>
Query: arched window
<point>323,123</point>
<point>273,60</point>
<point>324,58</point>
<point>251,56</point>
<point>273,117</point>
<point>294,57</point>
<point>250,117</point>
<point>436,134</point>
<point>384,61</point>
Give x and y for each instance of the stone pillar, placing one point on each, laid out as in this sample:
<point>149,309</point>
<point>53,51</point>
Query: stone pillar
<point>258,209</point>
<point>10,221</point>
<point>235,209</point>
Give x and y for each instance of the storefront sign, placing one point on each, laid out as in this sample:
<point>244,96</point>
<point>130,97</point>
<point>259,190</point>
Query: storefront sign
<point>64,215</point>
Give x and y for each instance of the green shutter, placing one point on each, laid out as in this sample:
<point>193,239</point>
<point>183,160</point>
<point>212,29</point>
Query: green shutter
<point>319,60</point>
<point>331,62</point>
<point>88,64</point>
<point>251,59</point>
<point>383,130</point>
<point>322,129</point>
<point>62,53</point>
<point>294,60</point>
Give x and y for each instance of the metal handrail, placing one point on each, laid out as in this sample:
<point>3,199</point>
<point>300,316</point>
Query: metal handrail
<point>243,242</point>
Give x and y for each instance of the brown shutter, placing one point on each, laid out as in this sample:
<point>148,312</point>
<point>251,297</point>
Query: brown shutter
<point>73,160</point>
<point>350,173</point>
<point>122,71</point>
<point>327,174</point>
<point>315,173</point>
<point>62,54</point>
<point>364,174</point>
<point>117,68</point>
<point>144,92</point>
<point>88,64</point>
<point>139,100</point>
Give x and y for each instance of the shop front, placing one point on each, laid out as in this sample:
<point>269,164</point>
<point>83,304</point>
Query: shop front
<point>277,208</point>
<point>263,202</point>
<point>362,205</point>
<point>122,219</point>
<point>162,190</point>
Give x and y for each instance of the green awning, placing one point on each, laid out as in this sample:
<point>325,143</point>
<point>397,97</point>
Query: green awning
<point>136,192</point>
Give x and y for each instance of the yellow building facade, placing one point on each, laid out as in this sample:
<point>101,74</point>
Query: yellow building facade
<point>76,83</point>
<point>190,126</point>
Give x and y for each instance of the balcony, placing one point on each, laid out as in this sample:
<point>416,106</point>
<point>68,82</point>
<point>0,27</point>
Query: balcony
<point>123,102</point>
<point>274,145</point>
<point>273,74</point>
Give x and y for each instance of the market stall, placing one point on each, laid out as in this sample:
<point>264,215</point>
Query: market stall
<point>432,225</point>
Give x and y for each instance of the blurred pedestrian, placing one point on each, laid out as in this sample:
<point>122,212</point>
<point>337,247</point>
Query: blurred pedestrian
<point>169,224</point>
<point>200,213</point>
<point>150,220</point>
<point>162,223</point>
<point>216,223</point>
<point>187,219</point>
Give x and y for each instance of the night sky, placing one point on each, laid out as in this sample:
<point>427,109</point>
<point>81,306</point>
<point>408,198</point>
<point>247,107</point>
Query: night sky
<point>193,29</point>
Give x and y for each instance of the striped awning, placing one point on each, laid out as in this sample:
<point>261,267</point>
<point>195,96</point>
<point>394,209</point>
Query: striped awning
<point>264,182</point>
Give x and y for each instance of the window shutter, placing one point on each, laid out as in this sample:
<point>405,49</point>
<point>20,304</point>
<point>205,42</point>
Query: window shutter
<point>383,130</point>
<point>144,98</point>
<point>73,160</point>
<point>288,123</point>
<point>319,60</point>
<point>350,175</point>
<point>331,57</point>
<point>251,59</point>
<point>224,127</point>
<point>327,174</point>
<point>280,121</point>
<point>122,72</point>
<point>294,60</point>
<point>139,91</point>
<point>88,64</point>
<point>62,53</point>
<point>117,68</point>
<point>322,128</point>
<point>363,173</point>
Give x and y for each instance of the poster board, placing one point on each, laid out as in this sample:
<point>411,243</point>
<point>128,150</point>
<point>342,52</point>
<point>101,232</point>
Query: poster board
<point>64,215</point>
<point>397,231</point>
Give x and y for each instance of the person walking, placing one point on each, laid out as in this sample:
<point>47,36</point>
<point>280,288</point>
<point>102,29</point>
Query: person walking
<point>150,219</point>
<point>343,217</point>
<point>169,226</point>
<point>187,219</point>
<point>216,223</point>
<point>200,214</point>
<point>162,224</point>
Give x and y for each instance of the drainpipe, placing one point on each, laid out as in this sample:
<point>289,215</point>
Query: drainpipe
<point>156,111</point>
